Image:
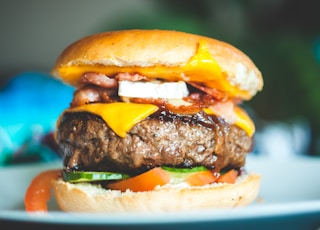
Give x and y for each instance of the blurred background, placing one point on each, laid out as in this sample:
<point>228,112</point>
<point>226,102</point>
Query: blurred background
<point>281,36</point>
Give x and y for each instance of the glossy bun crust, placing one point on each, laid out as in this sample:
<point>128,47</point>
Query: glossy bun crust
<point>148,48</point>
<point>86,197</point>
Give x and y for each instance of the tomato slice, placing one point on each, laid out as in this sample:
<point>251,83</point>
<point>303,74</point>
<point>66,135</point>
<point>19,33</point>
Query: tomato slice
<point>201,178</point>
<point>228,177</point>
<point>144,182</point>
<point>39,191</point>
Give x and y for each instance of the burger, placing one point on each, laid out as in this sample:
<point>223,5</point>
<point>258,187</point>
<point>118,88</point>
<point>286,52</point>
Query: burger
<point>155,124</point>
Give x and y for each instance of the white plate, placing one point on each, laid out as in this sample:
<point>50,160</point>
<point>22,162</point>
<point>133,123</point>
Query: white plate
<point>289,198</point>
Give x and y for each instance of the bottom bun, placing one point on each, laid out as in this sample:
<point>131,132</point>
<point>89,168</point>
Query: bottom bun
<point>86,197</point>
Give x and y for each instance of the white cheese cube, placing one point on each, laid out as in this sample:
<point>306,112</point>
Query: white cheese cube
<point>168,90</point>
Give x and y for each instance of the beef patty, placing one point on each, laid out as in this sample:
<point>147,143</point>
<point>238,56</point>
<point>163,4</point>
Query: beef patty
<point>164,138</point>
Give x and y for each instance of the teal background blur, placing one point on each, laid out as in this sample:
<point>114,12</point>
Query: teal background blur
<point>282,37</point>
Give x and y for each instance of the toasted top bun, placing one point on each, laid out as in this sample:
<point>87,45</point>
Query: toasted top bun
<point>85,197</point>
<point>171,55</point>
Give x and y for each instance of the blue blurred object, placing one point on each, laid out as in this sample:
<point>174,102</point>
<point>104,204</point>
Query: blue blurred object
<point>30,105</point>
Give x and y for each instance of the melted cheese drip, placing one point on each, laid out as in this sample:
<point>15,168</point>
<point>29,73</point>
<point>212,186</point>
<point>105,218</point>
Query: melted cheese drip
<point>202,68</point>
<point>242,119</point>
<point>119,116</point>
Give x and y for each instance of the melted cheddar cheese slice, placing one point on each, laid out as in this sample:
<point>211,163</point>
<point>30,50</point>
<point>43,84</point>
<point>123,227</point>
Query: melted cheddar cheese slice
<point>120,116</point>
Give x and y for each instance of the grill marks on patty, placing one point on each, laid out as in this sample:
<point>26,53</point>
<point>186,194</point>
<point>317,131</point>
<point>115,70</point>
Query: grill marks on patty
<point>164,138</point>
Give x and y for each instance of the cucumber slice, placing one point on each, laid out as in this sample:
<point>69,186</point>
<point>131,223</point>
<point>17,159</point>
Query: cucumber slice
<point>178,175</point>
<point>92,176</point>
<point>185,170</point>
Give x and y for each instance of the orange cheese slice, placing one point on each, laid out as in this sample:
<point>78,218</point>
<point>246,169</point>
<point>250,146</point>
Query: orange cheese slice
<point>119,116</point>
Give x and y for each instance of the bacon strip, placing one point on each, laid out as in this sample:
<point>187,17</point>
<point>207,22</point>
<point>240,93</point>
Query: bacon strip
<point>91,94</point>
<point>181,109</point>
<point>211,91</point>
<point>130,77</point>
<point>100,79</point>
